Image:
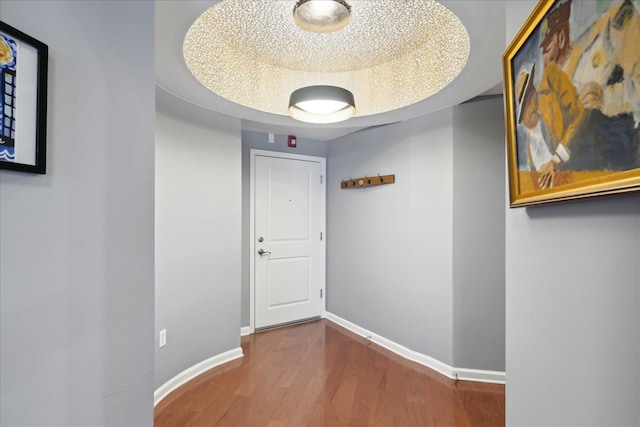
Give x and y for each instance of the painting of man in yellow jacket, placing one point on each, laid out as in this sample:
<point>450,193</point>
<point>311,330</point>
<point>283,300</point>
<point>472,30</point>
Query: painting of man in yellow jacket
<point>588,92</point>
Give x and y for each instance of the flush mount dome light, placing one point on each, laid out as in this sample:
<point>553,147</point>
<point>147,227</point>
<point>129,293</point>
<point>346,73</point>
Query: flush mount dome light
<point>321,104</point>
<point>321,16</point>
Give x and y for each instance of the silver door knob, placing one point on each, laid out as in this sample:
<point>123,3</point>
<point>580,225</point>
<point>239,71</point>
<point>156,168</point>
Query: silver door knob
<point>262,253</point>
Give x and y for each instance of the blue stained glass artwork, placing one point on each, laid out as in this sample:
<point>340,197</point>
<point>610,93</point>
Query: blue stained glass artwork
<point>8,64</point>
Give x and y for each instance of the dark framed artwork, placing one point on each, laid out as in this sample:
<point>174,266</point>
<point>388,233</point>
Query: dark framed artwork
<point>572,102</point>
<point>23,110</point>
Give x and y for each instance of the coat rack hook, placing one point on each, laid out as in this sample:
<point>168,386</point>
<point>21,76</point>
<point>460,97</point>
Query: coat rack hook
<point>367,181</point>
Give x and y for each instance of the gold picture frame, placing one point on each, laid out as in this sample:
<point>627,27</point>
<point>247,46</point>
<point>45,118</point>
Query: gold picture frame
<point>572,102</point>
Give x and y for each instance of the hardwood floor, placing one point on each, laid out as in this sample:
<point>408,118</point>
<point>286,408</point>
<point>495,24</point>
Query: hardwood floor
<point>319,374</point>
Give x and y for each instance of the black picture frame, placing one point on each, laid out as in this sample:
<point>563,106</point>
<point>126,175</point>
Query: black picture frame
<point>23,93</point>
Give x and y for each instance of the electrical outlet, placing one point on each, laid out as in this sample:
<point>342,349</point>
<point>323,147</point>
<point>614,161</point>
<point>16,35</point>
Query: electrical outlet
<point>163,338</point>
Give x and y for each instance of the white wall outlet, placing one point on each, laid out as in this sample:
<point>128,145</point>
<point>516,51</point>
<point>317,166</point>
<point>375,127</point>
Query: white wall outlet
<point>271,138</point>
<point>163,338</point>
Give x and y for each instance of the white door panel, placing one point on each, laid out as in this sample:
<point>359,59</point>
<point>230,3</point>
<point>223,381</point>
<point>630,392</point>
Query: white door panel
<point>287,281</point>
<point>289,205</point>
<point>288,216</point>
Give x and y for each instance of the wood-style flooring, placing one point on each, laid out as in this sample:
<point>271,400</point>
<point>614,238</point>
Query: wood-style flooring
<point>319,374</point>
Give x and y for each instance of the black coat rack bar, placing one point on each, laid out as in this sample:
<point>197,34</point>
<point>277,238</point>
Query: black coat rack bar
<point>367,181</point>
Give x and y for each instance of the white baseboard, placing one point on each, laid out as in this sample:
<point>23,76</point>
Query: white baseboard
<point>245,330</point>
<point>495,377</point>
<point>192,372</point>
<point>423,359</point>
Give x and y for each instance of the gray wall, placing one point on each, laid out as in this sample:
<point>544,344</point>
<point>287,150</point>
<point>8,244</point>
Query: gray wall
<point>478,235</point>
<point>572,326</point>
<point>198,229</point>
<point>421,261</point>
<point>76,272</point>
<point>389,248</point>
<point>259,140</point>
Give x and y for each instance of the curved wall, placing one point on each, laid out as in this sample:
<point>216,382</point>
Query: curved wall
<point>198,232</point>
<point>478,234</point>
<point>399,262</point>
<point>389,247</point>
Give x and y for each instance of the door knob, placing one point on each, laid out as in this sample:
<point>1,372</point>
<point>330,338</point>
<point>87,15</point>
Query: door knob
<point>261,252</point>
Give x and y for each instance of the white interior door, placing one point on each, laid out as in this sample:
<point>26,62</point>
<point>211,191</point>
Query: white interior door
<point>288,250</point>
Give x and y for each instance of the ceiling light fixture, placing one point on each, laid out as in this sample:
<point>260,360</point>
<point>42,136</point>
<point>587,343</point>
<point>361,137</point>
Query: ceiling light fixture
<point>252,53</point>
<point>321,104</point>
<point>321,16</point>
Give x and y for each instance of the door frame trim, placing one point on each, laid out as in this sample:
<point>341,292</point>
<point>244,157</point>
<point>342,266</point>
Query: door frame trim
<point>323,223</point>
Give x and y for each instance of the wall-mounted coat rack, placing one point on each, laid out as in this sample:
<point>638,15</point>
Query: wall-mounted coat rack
<point>367,181</point>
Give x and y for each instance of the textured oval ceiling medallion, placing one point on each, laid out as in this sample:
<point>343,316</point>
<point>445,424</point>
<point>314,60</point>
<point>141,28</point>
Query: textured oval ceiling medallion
<point>390,55</point>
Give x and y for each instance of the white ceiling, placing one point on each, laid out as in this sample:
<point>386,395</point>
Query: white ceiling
<point>484,21</point>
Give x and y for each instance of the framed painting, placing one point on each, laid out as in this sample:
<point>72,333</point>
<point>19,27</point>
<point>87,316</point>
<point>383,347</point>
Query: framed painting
<point>572,102</point>
<point>23,106</point>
